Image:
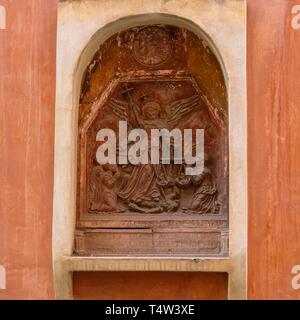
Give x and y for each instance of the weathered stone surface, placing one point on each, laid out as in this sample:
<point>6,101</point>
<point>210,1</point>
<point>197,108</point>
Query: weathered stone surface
<point>153,85</point>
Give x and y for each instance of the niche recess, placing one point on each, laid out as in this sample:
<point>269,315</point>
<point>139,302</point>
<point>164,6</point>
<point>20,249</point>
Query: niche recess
<point>153,76</point>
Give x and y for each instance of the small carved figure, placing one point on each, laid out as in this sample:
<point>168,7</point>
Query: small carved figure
<point>205,199</point>
<point>103,193</point>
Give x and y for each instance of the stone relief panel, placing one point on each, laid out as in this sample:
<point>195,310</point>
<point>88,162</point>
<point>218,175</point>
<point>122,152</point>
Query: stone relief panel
<point>152,81</point>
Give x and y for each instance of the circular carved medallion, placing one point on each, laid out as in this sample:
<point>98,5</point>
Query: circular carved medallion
<point>152,46</point>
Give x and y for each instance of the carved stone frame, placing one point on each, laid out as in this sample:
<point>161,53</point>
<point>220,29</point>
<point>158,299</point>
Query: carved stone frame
<point>224,29</point>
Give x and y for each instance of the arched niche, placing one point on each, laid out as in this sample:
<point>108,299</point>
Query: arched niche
<point>67,111</point>
<point>173,74</point>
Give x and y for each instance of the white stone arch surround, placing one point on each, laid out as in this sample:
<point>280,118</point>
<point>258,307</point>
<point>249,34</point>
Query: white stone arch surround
<point>82,27</point>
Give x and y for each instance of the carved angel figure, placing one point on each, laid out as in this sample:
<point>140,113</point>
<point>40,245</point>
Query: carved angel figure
<point>148,188</point>
<point>150,114</point>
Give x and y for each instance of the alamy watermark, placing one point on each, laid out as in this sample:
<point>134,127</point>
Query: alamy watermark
<point>296,278</point>
<point>161,146</point>
<point>296,17</point>
<point>2,278</point>
<point>2,18</point>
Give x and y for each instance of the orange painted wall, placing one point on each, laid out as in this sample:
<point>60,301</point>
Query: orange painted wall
<point>274,149</point>
<point>27,93</point>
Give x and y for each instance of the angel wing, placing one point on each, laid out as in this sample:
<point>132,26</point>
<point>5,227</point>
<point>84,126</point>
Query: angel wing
<point>119,108</point>
<point>178,109</point>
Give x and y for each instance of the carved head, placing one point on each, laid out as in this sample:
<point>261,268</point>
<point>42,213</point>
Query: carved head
<point>151,110</point>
